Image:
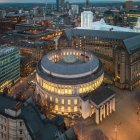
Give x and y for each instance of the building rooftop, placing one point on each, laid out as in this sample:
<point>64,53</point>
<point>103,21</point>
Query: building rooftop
<point>130,39</point>
<point>4,50</point>
<point>99,95</point>
<point>132,44</point>
<point>6,102</point>
<point>30,34</point>
<point>99,33</point>
<point>37,124</point>
<point>69,81</point>
<point>33,44</point>
<point>70,68</point>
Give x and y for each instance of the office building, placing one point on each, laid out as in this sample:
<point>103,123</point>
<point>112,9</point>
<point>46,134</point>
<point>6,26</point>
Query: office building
<point>60,5</point>
<point>9,66</point>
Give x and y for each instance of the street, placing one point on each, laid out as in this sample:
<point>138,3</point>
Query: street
<point>23,87</point>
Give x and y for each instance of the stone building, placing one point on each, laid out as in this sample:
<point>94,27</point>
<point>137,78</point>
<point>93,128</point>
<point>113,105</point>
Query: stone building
<point>69,83</point>
<point>24,121</point>
<point>35,49</point>
<point>118,51</point>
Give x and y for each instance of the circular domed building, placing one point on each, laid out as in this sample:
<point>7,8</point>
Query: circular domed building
<point>64,76</point>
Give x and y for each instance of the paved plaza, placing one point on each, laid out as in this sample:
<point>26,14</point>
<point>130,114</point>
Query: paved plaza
<point>121,125</point>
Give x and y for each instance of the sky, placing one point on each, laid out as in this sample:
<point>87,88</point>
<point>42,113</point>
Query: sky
<point>25,1</point>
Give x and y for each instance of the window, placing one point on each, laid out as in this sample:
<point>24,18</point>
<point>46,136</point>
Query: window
<point>20,123</point>
<point>62,108</point>
<point>56,107</point>
<point>69,102</point>
<point>75,109</point>
<point>75,101</point>
<point>62,101</point>
<point>50,98</point>
<point>20,131</point>
<point>56,100</point>
<point>69,109</point>
<point>1,134</point>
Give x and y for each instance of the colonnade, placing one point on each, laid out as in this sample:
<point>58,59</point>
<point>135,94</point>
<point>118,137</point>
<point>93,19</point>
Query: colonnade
<point>104,110</point>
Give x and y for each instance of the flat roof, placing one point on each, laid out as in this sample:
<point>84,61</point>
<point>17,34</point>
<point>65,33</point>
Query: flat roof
<point>70,70</point>
<point>6,102</point>
<point>64,81</point>
<point>38,126</point>
<point>4,50</point>
<point>99,95</point>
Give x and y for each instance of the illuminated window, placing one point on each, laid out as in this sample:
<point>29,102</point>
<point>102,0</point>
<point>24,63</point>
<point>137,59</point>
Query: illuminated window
<point>58,91</point>
<point>56,100</point>
<point>80,90</point>
<point>75,109</point>
<point>69,109</point>
<point>66,91</point>
<point>69,102</point>
<point>52,89</point>
<point>56,107</point>
<point>69,91</point>
<point>62,108</point>
<point>62,91</point>
<point>50,98</point>
<point>62,101</point>
<point>75,101</point>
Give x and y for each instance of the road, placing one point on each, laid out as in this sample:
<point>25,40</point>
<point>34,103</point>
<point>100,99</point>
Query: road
<point>23,87</point>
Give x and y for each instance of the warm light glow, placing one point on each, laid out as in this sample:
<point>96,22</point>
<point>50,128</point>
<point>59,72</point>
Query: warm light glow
<point>69,102</point>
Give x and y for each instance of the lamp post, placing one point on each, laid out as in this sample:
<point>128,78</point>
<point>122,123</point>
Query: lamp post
<point>138,113</point>
<point>116,130</point>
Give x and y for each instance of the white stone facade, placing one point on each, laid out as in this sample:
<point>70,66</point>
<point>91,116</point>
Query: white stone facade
<point>13,129</point>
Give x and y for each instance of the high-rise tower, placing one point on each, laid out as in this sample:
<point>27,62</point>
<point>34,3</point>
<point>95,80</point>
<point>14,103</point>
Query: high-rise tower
<point>129,5</point>
<point>59,4</point>
<point>87,4</point>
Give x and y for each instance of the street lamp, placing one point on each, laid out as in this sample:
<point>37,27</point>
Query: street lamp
<point>138,113</point>
<point>116,129</point>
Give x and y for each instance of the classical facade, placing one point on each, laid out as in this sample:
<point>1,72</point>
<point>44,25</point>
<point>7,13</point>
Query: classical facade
<point>20,121</point>
<point>118,51</point>
<point>67,79</point>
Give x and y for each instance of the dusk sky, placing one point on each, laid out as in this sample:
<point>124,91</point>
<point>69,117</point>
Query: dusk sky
<point>55,0</point>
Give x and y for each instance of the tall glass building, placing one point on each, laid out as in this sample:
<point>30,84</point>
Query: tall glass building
<point>9,66</point>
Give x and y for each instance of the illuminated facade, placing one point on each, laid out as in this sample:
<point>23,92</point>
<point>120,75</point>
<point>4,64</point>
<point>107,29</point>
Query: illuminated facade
<point>118,51</point>
<point>63,76</point>
<point>9,66</point>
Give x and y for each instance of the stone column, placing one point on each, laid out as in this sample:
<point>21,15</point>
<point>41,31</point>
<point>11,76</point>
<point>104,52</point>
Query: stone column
<point>104,111</point>
<point>97,116</point>
<point>101,114</point>
<point>110,106</point>
<point>113,104</point>
<point>107,109</point>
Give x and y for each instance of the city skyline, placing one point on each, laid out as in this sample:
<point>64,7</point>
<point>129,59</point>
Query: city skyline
<point>53,1</point>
